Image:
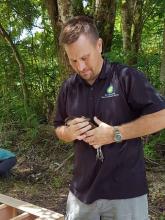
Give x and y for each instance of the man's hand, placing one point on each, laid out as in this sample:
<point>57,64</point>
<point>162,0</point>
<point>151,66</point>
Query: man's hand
<point>77,127</point>
<point>101,135</point>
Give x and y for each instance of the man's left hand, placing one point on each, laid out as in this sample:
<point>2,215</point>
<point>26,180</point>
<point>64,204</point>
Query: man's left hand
<point>101,135</point>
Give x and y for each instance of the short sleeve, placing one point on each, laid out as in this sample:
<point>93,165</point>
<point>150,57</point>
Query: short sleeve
<point>60,114</point>
<point>140,94</point>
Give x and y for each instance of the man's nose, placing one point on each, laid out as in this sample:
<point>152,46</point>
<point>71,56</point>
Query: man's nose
<point>81,66</point>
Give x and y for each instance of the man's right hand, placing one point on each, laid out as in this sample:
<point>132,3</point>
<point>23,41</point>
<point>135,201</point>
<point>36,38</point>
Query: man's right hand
<point>74,129</point>
<point>77,127</point>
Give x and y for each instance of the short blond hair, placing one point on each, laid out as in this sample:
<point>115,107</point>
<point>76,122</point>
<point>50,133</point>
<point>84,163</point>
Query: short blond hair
<point>76,26</point>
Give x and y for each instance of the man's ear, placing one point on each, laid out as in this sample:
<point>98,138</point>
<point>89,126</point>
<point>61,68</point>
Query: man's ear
<point>99,45</point>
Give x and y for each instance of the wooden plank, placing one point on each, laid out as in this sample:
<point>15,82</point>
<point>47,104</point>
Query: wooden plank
<point>30,208</point>
<point>48,218</point>
<point>7,212</point>
<point>24,216</point>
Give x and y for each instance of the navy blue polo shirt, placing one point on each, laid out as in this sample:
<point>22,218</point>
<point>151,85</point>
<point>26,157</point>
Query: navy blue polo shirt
<point>119,95</point>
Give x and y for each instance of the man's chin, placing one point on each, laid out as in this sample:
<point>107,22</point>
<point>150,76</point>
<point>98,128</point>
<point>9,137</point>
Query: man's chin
<point>86,76</point>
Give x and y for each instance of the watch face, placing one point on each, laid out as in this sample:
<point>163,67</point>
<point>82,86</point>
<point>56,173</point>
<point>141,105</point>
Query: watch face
<point>117,135</point>
<point>118,138</point>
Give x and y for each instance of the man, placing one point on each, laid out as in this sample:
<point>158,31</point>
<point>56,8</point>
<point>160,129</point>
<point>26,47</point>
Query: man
<point>125,107</point>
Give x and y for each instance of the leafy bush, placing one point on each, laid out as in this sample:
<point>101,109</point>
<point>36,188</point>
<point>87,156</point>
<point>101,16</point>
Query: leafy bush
<point>152,148</point>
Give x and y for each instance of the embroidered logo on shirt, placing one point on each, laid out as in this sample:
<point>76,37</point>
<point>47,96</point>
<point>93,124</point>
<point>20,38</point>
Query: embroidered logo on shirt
<point>110,89</point>
<point>110,92</point>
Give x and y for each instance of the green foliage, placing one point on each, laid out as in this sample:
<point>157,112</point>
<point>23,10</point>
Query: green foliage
<point>151,148</point>
<point>57,182</point>
<point>42,72</point>
<point>148,60</point>
<point>149,63</point>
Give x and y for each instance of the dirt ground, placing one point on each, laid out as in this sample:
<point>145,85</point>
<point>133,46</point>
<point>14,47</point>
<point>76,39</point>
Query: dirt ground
<point>50,190</point>
<point>44,170</point>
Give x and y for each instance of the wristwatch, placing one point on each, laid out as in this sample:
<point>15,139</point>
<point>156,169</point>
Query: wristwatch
<point>117,135</point>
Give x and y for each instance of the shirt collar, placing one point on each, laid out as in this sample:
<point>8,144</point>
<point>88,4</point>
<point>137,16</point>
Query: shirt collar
<point>103,73</point>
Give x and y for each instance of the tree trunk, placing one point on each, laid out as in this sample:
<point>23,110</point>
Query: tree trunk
<point>136,38</point>
<point>162,70</point>
<point>59,12</point>
<point>126,27</point>
<point>52,9</point>
<point>105,23</point>
<point>131,13</point>
<point>20,63</point>
<point>65,10</point>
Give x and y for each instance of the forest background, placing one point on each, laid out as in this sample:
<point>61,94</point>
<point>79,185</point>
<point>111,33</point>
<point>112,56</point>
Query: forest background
<point>33,66</point>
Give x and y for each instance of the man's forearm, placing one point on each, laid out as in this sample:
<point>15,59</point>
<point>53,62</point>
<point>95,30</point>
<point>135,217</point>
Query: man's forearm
<point>62,133</point>
<point>144,125</point>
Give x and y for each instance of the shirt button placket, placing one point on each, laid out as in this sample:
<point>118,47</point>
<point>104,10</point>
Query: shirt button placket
<point>91,102</point>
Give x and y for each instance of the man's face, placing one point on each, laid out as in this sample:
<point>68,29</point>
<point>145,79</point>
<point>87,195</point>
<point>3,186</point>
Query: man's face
<point>85,57</point>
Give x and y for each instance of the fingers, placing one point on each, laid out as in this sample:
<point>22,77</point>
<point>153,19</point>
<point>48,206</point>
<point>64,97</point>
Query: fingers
<point>79,120</point>
<point>90,133</point>
<point>80,137</point>
<point>81,128</point>
<point>76,121</point>
<point>84,125</point>
<point>78,127</point>
<point>97,121</point>
<point>84,129</point>
<point>82,132</point>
